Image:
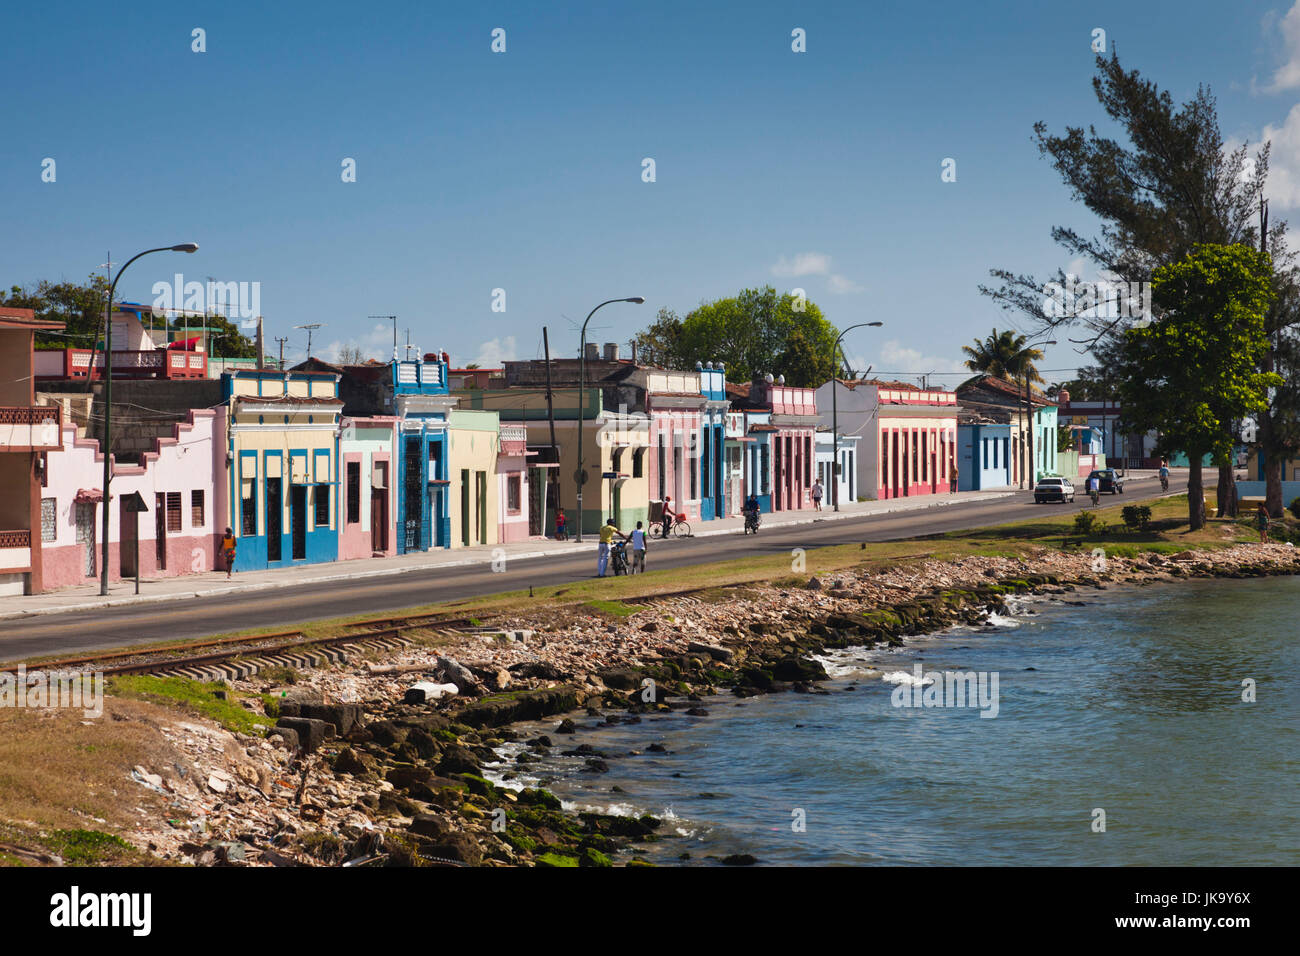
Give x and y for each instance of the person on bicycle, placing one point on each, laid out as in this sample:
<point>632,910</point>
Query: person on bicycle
<point>1164,475</point>
<point>1094,490</point>
<point>668,516</point>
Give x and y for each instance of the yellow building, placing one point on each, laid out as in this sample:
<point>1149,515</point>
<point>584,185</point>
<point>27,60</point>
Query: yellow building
<point>614,447</point>
<point>282,477</point>
<point>473,440</point>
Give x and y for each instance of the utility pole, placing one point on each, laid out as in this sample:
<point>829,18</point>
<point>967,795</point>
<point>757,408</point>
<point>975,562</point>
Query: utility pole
<point>550,416</point>
<point>261,344</point>
<point>281,341</point>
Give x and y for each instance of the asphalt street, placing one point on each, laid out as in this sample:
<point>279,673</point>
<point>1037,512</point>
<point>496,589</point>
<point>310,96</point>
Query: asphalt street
<point>191,618</point>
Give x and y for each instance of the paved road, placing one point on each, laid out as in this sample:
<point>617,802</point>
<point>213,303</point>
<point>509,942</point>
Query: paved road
<point>74,631</point>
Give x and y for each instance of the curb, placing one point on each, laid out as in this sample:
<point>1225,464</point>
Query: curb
<point>477,558</point>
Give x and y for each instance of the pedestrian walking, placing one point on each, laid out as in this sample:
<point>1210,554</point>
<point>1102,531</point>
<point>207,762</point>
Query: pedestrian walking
<point>638,549</point>
<point>954,473</point>
<point>607,532</point>
<point>228,550</point>
<point>561,528</point>
<point>817,491</point>
<point>1261,522</point>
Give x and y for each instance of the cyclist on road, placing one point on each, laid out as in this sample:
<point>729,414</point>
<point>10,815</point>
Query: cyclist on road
<point>668,516</point>
<point>1164,476</point>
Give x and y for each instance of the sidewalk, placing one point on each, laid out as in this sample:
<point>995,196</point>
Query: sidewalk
<point>213,583</point>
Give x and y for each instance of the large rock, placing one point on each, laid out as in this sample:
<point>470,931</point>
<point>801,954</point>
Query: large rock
<point>311,733</point>
<point>458,759</point>
<point>498,710</point>
<point>796,669</point>
<point>343,716</point>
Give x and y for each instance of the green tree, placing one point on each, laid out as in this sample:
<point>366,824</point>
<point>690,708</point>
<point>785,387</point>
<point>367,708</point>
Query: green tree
<point>660,344</point>
<point>1188,374</point>
<point>1004,354</point>
<point>80,307</point>
<point>225,339</point>
<point>1168,185</point>
<point>755,332</point>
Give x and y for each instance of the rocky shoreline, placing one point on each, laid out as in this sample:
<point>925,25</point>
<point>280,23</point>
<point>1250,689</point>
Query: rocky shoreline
<point>366,766</point>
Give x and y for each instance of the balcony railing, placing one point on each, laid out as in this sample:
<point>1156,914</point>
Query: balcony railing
<point>15,539</point>
<point>31,428</point>
<point>156,363</point>
<point>15,551</point>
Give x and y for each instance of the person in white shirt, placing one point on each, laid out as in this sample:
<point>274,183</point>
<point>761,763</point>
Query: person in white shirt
<point>638,549</point>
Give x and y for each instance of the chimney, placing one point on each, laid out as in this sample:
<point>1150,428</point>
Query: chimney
<point>611,351</point>
<point>633,346</point>
<point>593,352</point>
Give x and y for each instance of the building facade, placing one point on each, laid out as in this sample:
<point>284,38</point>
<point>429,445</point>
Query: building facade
<point>282,449</point>
<point>29,434</point>
<point>366,523</point>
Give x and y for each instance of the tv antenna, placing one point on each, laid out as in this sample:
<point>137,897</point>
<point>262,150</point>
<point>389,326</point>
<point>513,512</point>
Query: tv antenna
<point>310,329</point>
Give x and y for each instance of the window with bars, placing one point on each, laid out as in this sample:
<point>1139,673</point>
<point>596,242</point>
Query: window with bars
<point>248,512</point>
<point>196,509</point>
<point>322,506</point>
<point>49,519</point>
<point>354,492</point>
<point>173,511</point>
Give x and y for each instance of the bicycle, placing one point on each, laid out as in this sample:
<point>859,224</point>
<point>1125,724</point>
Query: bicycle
<point>680,529</point>
<point>1164,482</point>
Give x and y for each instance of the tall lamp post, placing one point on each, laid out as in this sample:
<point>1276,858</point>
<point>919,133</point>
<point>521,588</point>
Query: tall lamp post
<point>580,476</point>
<point>835,408</point>
<point>108,397</point>
<point>1029,417</point>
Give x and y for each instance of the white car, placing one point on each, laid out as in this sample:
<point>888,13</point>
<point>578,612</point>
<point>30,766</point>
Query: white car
<point>1053,489</point>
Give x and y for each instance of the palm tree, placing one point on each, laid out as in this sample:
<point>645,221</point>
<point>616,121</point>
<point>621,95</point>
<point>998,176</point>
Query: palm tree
<point>1004,355</point>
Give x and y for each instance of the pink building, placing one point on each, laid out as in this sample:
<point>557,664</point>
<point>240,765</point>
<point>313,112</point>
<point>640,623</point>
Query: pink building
<point>182,482</point>
<point>674,406</point>
<point>793,435</point>
<point>367,510</point>
<point>512,491</point>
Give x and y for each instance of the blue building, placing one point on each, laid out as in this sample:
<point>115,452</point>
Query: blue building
<point>984,456</point>
<point>282,480</point>
<point>416,393</point>
<point>713,430</point>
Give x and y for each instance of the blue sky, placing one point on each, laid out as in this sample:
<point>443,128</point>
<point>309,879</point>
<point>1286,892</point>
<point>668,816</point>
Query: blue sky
<point>523,170</point>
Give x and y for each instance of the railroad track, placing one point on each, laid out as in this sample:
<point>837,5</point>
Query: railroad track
<point>242,657</point>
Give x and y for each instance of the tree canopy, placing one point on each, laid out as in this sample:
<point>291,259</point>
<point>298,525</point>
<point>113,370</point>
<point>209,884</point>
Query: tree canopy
<point>1005,355</point>
<point>756,332</point>
<point>1191,372</point>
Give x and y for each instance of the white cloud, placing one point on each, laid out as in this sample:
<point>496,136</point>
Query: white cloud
<point>896,357</point>
<point>814,264</point>
<point>376,344</point>
<point>1287,76</point>
<point>495,351</point>
<point>1284,159</point>
<point>803,264</point>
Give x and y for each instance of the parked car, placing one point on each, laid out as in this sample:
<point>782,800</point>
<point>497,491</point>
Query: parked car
<point>1053,489</point>
<point>1108,480</point>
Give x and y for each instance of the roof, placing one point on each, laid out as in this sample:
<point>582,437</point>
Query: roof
<point>851,384</point>
<point>12,318</point>
<point>995,384</point>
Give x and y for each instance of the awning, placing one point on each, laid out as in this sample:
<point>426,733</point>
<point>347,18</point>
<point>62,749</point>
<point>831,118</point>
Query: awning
<point>87,496</point>
<point>439,481</point>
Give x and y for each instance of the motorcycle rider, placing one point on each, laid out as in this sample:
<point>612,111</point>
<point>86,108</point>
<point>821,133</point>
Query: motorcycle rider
<point>751,512</point>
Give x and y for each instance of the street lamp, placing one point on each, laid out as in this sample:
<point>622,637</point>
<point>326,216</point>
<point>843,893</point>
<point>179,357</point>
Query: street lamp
<point>835,408</point>
<point>108,396</point>
<point>1029,415</point>
<point>580,476</point>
